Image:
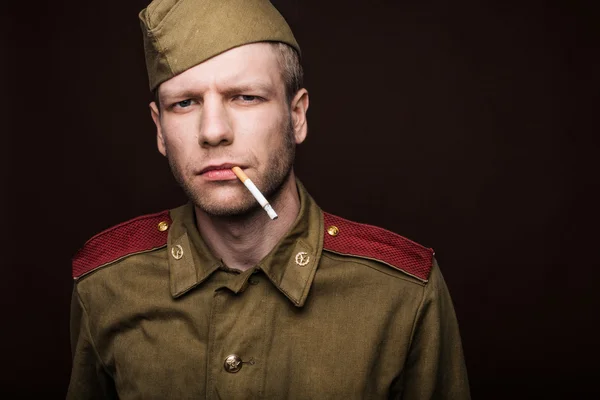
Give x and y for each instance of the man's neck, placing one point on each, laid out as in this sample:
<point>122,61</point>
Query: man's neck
<point>242,243</point>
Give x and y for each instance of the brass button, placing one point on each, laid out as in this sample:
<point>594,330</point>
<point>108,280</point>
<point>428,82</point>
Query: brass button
<point>163,226</point>
<point>233,363</point>
<point>177,252</point>
<point>333,230</point>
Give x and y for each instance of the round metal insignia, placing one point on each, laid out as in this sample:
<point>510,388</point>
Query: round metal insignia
<point>302,258</point>
<point>177,252</point>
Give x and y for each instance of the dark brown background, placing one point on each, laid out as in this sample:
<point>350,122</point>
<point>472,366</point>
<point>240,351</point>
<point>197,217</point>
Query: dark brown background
<point>465,125</point>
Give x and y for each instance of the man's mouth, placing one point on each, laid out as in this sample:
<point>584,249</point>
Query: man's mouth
<point>220,172</point>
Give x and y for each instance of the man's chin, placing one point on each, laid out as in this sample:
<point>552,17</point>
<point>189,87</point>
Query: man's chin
<point>227,203</point>
<point>229,210</point>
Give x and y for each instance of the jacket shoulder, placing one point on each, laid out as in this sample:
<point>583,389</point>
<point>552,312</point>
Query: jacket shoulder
<point>367,241</point>
<point>141,234</point>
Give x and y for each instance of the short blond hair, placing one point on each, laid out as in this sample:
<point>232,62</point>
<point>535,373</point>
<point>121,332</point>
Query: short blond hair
<point>291,69</point>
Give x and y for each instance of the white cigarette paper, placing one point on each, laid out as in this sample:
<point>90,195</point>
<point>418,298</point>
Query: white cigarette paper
<point>255,192</point>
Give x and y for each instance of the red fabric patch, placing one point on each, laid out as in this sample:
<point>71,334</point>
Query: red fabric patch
<point>372,242</point>
<point>134,236</point>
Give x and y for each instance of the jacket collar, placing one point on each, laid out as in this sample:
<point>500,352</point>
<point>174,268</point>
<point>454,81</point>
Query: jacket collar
<point>290,266</point>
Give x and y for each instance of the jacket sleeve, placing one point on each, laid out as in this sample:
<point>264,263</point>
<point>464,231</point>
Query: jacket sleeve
<point>89,379</point>
<point>435,366</point>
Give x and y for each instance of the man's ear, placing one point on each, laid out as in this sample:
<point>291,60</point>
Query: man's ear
<point>299,106</point>
<point>160,140</point>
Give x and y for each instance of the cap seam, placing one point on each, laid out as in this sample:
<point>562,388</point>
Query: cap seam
<point>167,15</point>
<point>164,56</point>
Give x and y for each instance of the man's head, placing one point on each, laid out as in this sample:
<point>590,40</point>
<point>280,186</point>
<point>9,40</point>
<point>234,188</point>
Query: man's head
<point>242,106</point>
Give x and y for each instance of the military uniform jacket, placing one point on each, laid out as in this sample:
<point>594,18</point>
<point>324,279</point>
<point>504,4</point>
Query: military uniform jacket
<point>337,310</point>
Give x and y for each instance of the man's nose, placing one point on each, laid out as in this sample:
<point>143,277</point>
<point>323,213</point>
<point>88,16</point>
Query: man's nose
<point>215,126</point>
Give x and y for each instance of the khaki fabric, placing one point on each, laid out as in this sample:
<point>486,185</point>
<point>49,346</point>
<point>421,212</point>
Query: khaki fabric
<point>152,327</point>
<point>179,34</point>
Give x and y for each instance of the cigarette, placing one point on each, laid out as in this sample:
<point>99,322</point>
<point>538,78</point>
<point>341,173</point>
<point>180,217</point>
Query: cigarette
<point>255,192</point>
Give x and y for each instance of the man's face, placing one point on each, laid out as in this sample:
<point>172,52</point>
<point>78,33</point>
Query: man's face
<point>230,110</point>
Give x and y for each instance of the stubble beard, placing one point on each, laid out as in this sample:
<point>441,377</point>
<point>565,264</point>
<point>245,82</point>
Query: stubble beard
<point>279,168</point>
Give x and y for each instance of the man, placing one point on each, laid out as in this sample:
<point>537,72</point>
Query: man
<point>216,300</point>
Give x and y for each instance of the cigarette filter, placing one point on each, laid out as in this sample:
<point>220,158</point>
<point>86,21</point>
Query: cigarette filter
<point>255,192</point>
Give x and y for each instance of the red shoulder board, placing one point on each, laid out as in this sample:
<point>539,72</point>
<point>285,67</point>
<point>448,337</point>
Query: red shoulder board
<point>134,236</point>
<point>367,241</point>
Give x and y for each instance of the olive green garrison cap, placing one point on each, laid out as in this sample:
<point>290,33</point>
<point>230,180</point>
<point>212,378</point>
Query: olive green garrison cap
<point>179,34</point>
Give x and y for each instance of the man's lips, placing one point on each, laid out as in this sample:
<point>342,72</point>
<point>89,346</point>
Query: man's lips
<point>221,172</point>
<point>218,167</point>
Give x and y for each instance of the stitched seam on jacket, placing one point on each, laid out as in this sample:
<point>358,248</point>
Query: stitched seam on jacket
<point>413,329</point>
<point>89,332</point>
<point>420,283</point>
<point>85,274</point>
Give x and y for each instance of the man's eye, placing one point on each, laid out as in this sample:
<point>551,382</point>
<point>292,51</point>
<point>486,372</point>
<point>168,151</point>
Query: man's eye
<point>248,98</point>
<point>184,103</point>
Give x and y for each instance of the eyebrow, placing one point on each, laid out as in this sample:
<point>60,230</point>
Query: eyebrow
<point>249,87</point>
<point>228,91</point>
<point>165,95</point>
